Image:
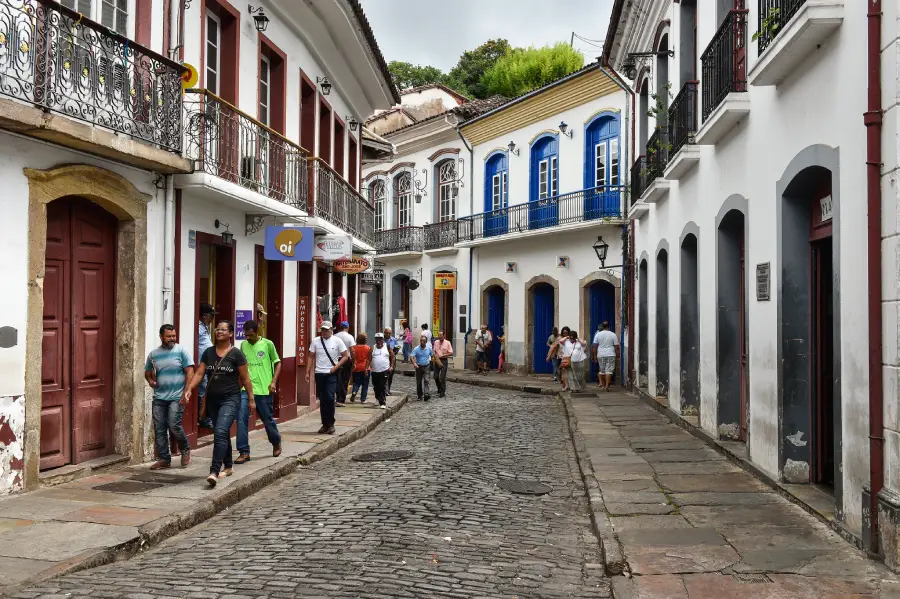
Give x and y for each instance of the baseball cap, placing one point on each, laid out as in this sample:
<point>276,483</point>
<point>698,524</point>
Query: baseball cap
<point>259,308</point>
<point>345,324</point>
<point>379,336</point>
<point>326,324</point>
<point>207,309</point>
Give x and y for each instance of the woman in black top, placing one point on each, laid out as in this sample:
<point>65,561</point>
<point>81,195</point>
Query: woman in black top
<point>228,372</point>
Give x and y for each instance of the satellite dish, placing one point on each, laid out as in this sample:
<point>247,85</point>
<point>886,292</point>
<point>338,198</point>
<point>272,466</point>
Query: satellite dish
<point>413,284</point>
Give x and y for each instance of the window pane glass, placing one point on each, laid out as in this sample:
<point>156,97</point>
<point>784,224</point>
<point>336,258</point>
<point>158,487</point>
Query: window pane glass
<point>614,162</point>
<point>554,174</point>
<point>600,175</point>
<point>543,189</point>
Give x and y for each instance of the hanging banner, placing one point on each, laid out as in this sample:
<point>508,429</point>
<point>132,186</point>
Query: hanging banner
<point>436,312</point>
<point>445,280</point>
<point>329,248</point>
<point>240,317</point>
<point>353,266</point>
<point>290,244</point>
<point>302,328</point>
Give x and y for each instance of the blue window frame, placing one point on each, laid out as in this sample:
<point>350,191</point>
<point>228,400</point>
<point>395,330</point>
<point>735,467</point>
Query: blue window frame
<point>496,194</point>
<point>602,167</point>
<point>543,206</point>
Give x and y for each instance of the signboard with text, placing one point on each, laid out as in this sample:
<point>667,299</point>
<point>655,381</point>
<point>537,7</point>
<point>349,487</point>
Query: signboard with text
<point>302,328</point>
<point>445,280</point>
<point>240,317</point>
<point>353,266</point>
<point>329,248</point>
<point>291,244</point>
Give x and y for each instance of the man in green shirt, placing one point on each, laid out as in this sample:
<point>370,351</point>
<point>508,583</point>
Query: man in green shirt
<point>265,367</point>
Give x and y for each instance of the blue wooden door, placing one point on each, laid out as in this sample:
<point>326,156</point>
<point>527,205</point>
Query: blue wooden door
<point>496,304</point>
<point>543,205</point>
<point>602,299</point>
<point>544,317</point>
<point>602,178</point>
<point>496,196</point>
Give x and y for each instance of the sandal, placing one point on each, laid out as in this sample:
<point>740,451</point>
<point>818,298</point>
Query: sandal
<point>243,458</point>
<point>276,451</point>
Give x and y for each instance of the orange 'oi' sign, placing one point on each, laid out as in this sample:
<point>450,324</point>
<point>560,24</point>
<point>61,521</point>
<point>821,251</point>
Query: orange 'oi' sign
<point>286,242</point>
<point>351,267</point>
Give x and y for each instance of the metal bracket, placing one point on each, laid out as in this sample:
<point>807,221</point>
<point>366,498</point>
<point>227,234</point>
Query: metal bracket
<point>254,222</point>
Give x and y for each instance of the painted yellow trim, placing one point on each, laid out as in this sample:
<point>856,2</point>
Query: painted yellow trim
<point>491,153</point>
<point>588,88</point>
<point>599,112</point>
<point>541,134</point>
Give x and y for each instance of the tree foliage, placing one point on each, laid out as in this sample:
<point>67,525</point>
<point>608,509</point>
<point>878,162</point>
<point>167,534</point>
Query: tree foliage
<point>408,75</point>
<point>473,64</point>
<point>525,69</point>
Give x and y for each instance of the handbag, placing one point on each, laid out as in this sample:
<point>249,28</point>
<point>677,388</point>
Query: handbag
<point>566,362</point>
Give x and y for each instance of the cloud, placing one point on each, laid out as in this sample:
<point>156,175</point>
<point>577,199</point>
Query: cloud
<point>436,33</point>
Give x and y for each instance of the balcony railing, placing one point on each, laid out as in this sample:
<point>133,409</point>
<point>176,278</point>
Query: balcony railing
<point>339,203</point>
<point>725,61</point>
<point>638,178</point>
<point>575,207</point>
<point>778,13</point>
<point>404,239</point>
<point>55,58</point>
<point>225,142</point>
<point>683,117</point>
<point>658,149</point>
<point>440,235</point>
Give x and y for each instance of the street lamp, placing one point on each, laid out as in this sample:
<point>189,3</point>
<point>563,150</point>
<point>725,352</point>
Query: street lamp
<point>325,85</point>
<point>512,148</point>
<point>601,247</point>
<point>352,122</point>
<point>227,236</point>
<point>259,18</point>
<point>564,129</point>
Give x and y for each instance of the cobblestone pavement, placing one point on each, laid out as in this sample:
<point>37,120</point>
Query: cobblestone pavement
<point>434,525</point>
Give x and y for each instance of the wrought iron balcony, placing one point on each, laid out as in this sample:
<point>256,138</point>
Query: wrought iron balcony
<point>575,207</point>
<point>227,143</point>
<point>775,13</point>
<point>683,117</point>
<point>54,58</point>
<point>404,239</point>
<point>658,152</point>
<point>336,201</point>
<point>725,61</point>
<point>440,235</point>
<point>639,182</point>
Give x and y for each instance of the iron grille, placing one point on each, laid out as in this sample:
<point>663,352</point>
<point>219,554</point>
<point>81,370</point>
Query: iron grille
<point>683,117</point>
<point>440,235</point>
<point>724,62</point>
<point>638,178</point>
<point>404,239</point>
<point>339,203</point>
<point>780,11</point>
<point>658,148</point>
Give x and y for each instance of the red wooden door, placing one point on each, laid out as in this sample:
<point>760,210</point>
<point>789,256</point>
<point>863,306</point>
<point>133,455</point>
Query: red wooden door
<point>79,316</point>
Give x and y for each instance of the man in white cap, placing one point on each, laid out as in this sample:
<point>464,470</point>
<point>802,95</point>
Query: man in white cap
<point>381,363</point>
<point>330,354</point>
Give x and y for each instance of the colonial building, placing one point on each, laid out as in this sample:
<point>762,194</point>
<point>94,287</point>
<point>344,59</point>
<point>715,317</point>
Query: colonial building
<point>128,202</point>
<point>750,214</point>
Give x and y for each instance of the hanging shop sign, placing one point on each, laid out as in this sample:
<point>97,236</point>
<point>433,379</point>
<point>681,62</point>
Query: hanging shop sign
<point>444,280</point>
<point>353,266</point>
<point>436,311</point>
<point>290,244</point>
<point>240,317</point>
<point>302,328</point>
<point>329,248</point>
<point>375,277</point>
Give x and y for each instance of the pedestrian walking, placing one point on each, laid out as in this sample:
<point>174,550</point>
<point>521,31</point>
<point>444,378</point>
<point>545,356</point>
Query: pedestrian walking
<point>169,369</point>
<point>443,351</point>
<point>558,352</point>
<point>421,357</point>
<point>407,340</point>
<point>228,372</point>
<point>381,363</point>
<point>575,360</point>
<point>605,348</point>
<point>502,358</point>
<point>428,334</point>
<point>204,342</point>
<point>345,374</point>
<point>554,335</point>
<point>264,366</point>
<point>483,340</point>
<point>394,346</point>
<point>330,354</point>
<point>361,353</point>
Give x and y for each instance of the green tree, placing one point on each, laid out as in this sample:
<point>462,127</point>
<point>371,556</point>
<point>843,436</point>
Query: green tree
<point>407,75</point>
<point>526,69</point>
<point>473,64</point>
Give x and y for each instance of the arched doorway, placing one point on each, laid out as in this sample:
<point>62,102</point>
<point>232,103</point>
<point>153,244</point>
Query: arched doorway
<point>496,309</point>
<point>643,324</point>
<point>542,298</point>
<point>662,324</point>
<point>400,300</point>
<point>602,308</point>
<point>690,325</point>
<point>77,357</point>
<point>731,323</point>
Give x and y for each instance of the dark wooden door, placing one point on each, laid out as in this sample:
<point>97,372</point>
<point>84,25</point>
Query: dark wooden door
<point>743,339</point>
<point>79,316</point>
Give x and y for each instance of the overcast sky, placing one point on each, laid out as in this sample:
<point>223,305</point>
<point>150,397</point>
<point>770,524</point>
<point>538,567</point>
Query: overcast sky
<point>437,32</point>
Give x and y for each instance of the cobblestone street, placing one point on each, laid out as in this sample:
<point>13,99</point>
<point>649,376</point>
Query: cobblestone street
<point>434,525</point>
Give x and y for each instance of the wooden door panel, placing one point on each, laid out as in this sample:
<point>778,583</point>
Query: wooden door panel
<point>55,412</point>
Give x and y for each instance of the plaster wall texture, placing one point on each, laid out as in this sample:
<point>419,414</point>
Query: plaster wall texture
<point>417,98</point>
<point>748,162</point>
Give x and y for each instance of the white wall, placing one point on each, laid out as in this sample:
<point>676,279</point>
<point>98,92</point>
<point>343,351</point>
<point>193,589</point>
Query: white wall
<point>420,97</point>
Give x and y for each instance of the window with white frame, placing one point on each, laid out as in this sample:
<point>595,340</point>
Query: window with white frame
<point>447,191</point>
<point>265,93</point>
<point>213,52</point>
<point>378,198</point>
<point>548,173</point>
<point>499,187</point>
<point>600,165</point>
<point>403,193</point>
<point>607,163</point>
<point>112,14</point>
<point>614,162</point>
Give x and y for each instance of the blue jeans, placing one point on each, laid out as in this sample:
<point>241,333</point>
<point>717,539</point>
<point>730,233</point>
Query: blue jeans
<point>325,386</point>
<point>266,410</point>
<point>361,379</point>
<point>167,417</point>
<point>556,362</point>
<point>407,347</point>
<point>223,413</point>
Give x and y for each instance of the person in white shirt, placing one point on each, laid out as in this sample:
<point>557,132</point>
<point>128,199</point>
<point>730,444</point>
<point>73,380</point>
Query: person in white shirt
<point>381,363</point>
<point>574,353</point>
<point>330,355</point>
<point>345,374</point>
<point>606,353</point>
<point>428,335</point>
<point>483,340</point>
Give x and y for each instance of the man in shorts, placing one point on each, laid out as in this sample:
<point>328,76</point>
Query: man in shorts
<point>606,354</point>
<point>483,340</point>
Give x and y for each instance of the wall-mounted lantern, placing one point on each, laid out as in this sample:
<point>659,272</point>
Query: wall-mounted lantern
<point>512,148</point>
<point>259,18</point>
<point>564,129</point>
<point>227,236</point>
<point>325,84</point>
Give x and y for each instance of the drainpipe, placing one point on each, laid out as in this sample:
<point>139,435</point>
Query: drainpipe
<point>471,209</point>
<point>873,122</point>
<point>169,251</point>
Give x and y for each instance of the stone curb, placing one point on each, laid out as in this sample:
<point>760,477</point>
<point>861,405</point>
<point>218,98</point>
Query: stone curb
<point>748,466</point>
<point>159,530</point>
<point>486,382</point>
<point>613,557</point>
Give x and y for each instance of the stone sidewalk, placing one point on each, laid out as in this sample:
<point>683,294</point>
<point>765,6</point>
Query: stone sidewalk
<point>101,518</point>
<point>679,521</point>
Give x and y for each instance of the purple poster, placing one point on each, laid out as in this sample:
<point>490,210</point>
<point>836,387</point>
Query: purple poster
<point>240,317</point>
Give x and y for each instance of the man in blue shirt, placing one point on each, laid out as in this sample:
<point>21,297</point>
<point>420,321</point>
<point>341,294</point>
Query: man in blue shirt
<point>421,358</point>
<point>167,368</point>
<point>391,342</point>
<point>204,342</point>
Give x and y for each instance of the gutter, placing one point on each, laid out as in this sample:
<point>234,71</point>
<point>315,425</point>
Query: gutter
<point>873,119</point>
